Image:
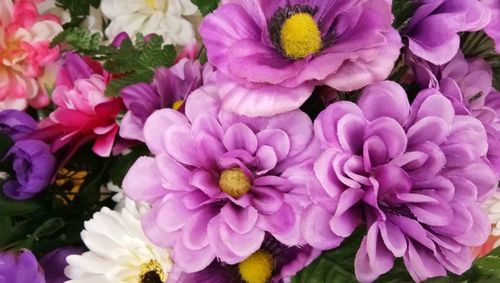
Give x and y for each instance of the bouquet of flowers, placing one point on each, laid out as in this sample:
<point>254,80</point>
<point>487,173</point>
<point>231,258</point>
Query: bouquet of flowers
<point>249,141</point>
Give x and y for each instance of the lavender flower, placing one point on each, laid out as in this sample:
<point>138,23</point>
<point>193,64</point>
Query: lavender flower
<point>20,267</point>
<point>169,89</point>
<point>270,54</point>
<point>434,27</point>
<point>34,167</point>
<point>493,28</point>
<point>16,124</point>
<point>414,174</point>
<point>219,182</point>
<point>467,83</point>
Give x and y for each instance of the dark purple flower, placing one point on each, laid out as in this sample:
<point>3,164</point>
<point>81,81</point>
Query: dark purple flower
<point>415,174</point>
<point>273,262</point>
<point>20,267</point>
<point>54,263</point>
<point>34,167</point>
<point>16,124</point>
<point>270,54</point>
<point>433,31</point>
<point>169,89</point>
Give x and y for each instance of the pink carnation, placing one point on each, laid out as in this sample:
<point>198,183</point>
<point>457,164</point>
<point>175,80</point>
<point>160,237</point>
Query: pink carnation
<point>25,37</point>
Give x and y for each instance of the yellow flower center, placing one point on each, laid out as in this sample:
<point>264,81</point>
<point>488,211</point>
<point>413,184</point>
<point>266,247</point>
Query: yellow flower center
<point>257,268</point>
<point>300,36</point>
<point>234,182</point>
<point>151,272</point>
<point>177,104</point>
<point>159,5</point>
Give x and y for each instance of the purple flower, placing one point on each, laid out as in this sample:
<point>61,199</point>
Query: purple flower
<point>54,263</point>
<point>34,167</point>
<point>467,83</point>
<point>433,30</point>
<point>16,124</point>
<point>20,267</point>
<point>273,262</point>
<point>219,182</point>
<point>169,89</point>
<point>414,174</point>
<point>270,54</point>
<point>493,28</point>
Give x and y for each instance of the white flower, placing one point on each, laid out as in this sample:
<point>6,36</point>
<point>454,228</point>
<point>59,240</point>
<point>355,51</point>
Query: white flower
<point>119,252</point>
<point>163,17</point>
<point>492,207</point>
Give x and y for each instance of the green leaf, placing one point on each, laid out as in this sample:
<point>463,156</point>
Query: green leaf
<point>334,266</point>
<point>49,227</point>
<point>115,85</point>
<point>206,6</point>
<point>9,207</point>
<point>5,144</point>
<point>79,10</point>
<point>80,39</point>
<point>5,229</point>
<point>402,10</point>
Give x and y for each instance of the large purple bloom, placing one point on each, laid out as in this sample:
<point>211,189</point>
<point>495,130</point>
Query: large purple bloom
<point>414,174</point>
<point>169,89</point>
<point>270,54</point>
<point>34,167</point>
<point>219,182</point>
<point>20,267</point>
<point>493,28</point>
<point>433,29</point>
<point>467,83</point>
<point>16,124</point>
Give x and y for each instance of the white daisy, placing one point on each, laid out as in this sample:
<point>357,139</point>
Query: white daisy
<point>119,252</point>
<point>163,17</point>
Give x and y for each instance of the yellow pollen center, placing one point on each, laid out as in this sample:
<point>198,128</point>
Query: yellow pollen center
<point>177,104</point>
<point>257,268</point>
<point>300,36</point>
<point>151,272</point>
<point>234,182</point>
<point>159,5</point>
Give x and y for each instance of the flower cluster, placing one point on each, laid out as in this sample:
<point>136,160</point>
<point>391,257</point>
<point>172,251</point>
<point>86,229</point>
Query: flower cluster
<point>306,140</point>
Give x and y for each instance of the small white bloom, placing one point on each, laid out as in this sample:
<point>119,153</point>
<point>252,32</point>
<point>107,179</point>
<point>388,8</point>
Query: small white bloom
<point>163,17</point>
<point>492,207</point>
<point>118,251</point>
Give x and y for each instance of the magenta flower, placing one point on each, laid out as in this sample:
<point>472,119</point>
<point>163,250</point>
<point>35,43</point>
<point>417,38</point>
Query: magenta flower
<point>219,182</point>
<point>414,174</point>
<point>288,47</point>
<point>433,30</point>
<point>493,28</point>
<point>467,83</point>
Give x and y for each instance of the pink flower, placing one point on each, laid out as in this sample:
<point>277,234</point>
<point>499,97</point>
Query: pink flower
<point>25,36</point>
<point>84,113</point>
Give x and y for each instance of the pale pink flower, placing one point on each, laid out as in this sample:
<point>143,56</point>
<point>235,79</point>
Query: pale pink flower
<point>25,36</point>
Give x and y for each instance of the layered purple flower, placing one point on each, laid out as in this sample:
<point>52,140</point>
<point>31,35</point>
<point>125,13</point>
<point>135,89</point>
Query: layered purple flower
<point>270,54</point>
<point>467,83</point>
<point>34,167</point>
<point>274,262</point>
<point>219,182</point>
<point>414,174</point>
<point>20,267</point>
<point>433,31</point>
<point>16,124</point>
<point>493,28</point>
<point>169,89</point>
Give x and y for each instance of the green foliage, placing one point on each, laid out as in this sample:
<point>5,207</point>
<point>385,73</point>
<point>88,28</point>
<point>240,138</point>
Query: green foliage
<point>334,266</point>
<point>133,62</point>
<point>402,10</point>
<point>78,9</point>
<point>206,6</point>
